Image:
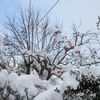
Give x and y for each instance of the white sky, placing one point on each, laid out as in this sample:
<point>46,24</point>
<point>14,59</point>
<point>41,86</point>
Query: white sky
<point>66,11</point>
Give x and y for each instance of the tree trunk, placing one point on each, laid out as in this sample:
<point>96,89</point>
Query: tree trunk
<point>28,69</point>
<point>49,74</point>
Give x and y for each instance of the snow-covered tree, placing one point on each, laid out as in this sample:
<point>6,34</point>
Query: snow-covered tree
<point>34,44</point>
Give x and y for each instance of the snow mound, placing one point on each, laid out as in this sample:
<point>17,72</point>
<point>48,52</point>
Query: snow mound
<point>3,78</point>
<point>54,93</point>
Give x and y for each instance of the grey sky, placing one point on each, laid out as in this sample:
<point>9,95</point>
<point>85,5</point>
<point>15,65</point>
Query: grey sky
<point>67,11</point>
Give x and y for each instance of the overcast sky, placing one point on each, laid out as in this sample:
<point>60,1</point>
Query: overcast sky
<point>66,11</point>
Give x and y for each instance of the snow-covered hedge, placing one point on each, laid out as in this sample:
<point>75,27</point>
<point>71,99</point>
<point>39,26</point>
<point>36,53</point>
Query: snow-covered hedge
<point>26,87</point>
<point>76,83</point>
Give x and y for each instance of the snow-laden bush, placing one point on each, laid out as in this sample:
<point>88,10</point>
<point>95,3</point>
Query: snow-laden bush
<point>82,83</point>
<point>76,83</point>
<point>23,87</point>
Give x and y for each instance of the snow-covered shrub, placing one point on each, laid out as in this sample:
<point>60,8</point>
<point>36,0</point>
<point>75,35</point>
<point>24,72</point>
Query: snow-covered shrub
<point>21,87</point>
<point>76,83</point>
<point>84,85</point>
